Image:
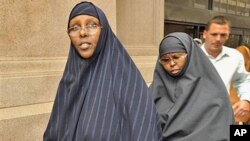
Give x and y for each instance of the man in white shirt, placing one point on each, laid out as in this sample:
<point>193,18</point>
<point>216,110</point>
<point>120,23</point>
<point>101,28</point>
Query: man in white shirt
<point>228,62</point>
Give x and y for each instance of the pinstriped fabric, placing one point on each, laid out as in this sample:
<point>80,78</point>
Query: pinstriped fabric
<point>104,98</point>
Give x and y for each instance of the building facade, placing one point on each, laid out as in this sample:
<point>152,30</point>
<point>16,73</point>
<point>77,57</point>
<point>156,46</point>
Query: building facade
<point>190,16</point>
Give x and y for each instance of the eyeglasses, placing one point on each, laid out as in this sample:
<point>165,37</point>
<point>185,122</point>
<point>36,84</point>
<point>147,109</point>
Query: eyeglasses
<point>175,57</point>
<point>90,29</point>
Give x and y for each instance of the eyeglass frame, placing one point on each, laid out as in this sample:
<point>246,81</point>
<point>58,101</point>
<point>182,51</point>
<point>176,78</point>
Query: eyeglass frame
<point>86,29</point>
<point>184,56</point>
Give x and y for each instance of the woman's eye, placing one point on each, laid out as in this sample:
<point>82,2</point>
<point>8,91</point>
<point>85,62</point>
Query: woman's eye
<point>176,57</point>
<point>90,26</point>
<point>74,28</point>
<point>166,60</point>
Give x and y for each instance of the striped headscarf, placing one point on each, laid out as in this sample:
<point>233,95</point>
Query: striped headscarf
<point>103,98</point>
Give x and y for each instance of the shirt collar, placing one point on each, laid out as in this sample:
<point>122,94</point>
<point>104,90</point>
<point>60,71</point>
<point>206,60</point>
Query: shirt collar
<point>224,53</point>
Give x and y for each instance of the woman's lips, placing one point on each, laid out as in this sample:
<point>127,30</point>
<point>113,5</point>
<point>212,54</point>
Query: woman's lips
<point>84,46</point>
<point>175,71</point>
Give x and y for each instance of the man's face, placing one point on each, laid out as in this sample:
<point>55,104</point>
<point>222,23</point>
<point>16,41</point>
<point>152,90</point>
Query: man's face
<point>216,36</point>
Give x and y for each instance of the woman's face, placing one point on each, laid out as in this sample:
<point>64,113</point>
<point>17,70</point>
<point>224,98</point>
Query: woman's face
<point>173,63</point>
<point>84,32</point>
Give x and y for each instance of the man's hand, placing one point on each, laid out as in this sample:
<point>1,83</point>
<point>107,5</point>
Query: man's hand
<point>242,110</point>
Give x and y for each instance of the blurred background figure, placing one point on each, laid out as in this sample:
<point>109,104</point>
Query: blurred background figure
<point>244,50</point>
<point>233,93</point>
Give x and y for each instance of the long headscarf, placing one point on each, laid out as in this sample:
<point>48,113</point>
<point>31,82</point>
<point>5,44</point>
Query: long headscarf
<point>193,106</point>
<point>103,98</point>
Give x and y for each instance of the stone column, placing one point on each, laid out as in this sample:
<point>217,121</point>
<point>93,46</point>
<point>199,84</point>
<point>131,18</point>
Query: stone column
<point>140,27</point>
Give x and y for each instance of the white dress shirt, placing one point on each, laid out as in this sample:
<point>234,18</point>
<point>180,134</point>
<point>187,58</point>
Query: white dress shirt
<point>230,66</point>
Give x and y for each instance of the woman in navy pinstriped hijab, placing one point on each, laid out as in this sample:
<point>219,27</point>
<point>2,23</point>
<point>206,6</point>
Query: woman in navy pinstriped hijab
<point>190,96</point>
<point>102,95</point>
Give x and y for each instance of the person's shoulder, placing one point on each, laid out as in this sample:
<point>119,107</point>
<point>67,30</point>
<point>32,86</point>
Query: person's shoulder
<point>243,49</point>
<point>232,52</point>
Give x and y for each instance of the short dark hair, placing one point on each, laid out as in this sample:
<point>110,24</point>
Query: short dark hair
<point>221,20</point>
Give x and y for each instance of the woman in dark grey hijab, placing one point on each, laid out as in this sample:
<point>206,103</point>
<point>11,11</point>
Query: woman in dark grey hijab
<point>102,95</point>
<point>191,98</point>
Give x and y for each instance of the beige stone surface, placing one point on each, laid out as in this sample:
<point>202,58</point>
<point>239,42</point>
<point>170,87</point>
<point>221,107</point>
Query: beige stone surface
<point>29,80</point>
<point>28,90</point>
<point>28,128</point>
<point>37,28</point>
<point>146,65</point>
<point>26,110</point>
<point>141,27</point>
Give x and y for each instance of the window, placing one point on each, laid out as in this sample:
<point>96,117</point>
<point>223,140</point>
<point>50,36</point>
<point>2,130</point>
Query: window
<point>237,7</point>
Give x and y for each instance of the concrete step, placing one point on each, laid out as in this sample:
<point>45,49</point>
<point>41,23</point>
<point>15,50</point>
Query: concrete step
<point>24,123</point>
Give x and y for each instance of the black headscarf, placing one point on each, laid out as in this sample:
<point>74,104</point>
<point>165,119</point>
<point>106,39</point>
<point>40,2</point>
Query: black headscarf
<point>193,106</point>
<point>103,98</point>
<point>170,45</point>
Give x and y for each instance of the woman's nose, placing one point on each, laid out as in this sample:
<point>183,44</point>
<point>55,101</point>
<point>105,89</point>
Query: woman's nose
<point>83,32</point>
<point>172,62</point>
